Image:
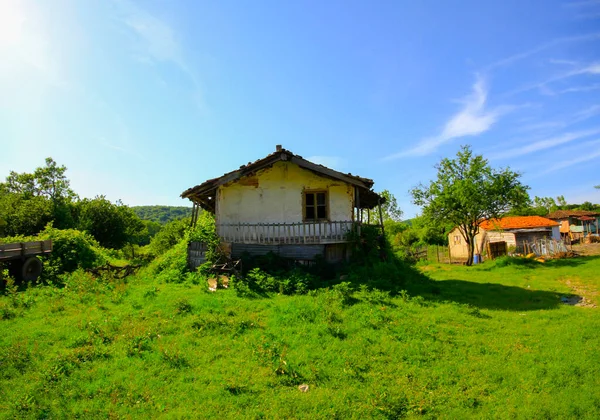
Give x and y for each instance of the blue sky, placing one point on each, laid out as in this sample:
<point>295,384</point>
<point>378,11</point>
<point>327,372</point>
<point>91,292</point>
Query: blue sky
<point>141,100</point>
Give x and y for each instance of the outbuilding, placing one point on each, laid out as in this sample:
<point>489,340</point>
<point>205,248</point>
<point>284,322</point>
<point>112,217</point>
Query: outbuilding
<point>513,230</point>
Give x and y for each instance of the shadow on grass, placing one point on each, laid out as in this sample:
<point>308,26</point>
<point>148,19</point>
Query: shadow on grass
<point>487,295</point>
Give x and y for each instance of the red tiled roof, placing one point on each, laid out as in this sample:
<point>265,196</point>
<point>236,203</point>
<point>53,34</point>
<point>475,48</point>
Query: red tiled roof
<point>517,222</point>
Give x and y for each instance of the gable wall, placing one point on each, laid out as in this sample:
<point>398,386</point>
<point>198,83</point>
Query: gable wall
<point>275,195</point>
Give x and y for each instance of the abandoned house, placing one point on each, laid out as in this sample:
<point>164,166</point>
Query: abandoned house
<point>512,230</point>
<point>287,205</point>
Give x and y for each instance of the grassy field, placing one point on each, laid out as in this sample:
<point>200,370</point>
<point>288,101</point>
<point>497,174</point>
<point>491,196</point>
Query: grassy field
<point>492,341</point>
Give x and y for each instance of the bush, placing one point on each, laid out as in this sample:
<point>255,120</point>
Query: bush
<point>505,261</point>
<point>71,249</point>
<point>391,276</point>
<point>171,267</point>
<point>257,281</point>
<point>169,236</point>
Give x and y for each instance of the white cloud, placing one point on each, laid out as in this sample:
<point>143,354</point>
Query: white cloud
<point>333,162</point>
<point>574,89</point>
<point>157,41</point>
<point>563,62</point>
<point>545,144</point>
<point>586,114</point>
<point>590,69</point>
<point>582,3</point>
<point>553,43</point>
<point>473,119</point>
<point>588,146</point>
<point>32,58</point>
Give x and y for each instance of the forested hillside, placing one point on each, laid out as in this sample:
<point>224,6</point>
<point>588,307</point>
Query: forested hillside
<point>162,214</point>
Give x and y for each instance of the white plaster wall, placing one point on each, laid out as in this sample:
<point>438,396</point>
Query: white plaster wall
<point>274,195</point>
<point>460,249</point>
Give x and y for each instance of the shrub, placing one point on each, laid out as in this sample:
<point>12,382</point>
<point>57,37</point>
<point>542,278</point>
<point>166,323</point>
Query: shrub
<point>171,267</point>
<point>505,261</point>
<point>257,281</point>
<point>71,249</point>
<point>169,236</point>
<point>391,276</point>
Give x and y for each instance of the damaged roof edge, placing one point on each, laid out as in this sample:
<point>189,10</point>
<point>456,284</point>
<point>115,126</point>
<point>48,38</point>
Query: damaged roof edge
<point>279,155</point>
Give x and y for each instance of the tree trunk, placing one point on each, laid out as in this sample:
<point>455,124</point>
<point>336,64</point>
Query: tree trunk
<point>471,246</point>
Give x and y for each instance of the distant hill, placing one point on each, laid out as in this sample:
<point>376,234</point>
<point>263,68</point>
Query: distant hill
<point>162,214</point>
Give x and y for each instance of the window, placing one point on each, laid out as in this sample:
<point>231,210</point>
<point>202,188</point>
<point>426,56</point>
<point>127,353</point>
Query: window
<point>315,205</point>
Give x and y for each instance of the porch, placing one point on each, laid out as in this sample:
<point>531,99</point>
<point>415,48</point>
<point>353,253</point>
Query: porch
<point>308,233</point>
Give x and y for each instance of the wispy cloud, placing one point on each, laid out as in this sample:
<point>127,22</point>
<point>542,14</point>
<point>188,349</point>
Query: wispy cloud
<point>123,150</point>
<point>473,119</point>
<point>588,69</point>
<point>576,89</point>
<point>563,62</point>
<point>582,3</point>
<point>544,144</point>
<point>158,42</point>
<point>562,122</point>
<point>586,114</point>
<point>595,154</point>
<point>333,162</point>
<point>550,44</point>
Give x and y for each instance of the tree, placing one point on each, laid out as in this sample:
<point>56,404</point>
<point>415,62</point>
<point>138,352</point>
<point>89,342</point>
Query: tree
<point>47,181</point>
<point>112,225</point>
<point>30,200</point>
<point>390,209</point>
<point>169,235</point>
<point>468,191</point>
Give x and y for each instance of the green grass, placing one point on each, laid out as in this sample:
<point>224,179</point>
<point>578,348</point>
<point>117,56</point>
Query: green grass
<point>487,342</point>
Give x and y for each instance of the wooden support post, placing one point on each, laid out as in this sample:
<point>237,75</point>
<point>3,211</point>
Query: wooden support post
<point>357,194</point>
<point>380,217</point>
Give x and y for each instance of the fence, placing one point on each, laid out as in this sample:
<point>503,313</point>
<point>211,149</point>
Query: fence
<point>285,233</point>
<point>432,253</point>
<point>543,246</point>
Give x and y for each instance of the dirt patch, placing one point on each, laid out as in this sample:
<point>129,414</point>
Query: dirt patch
<point>584,295</point>
<point>587,249</point>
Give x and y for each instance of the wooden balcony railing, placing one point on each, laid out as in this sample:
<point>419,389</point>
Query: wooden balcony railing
<point>285,233</point>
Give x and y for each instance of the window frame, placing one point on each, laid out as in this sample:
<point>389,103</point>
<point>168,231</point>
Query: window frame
<point>315,205</point>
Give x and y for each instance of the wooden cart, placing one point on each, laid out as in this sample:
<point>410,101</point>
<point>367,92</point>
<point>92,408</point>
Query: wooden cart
<point>22,258</point>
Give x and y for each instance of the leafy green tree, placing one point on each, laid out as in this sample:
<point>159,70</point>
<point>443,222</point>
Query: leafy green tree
<point>48,181</point>
<point>468,191</point>
<point>169,236</point>
<point>112,225</point>
<point>390,209</point>
<point>162,214</point>
<point>30,200</point>
<point>545,204</point>
<point>21,216</point>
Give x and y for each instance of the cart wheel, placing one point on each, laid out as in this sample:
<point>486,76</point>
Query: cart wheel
<point>32,268</point>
